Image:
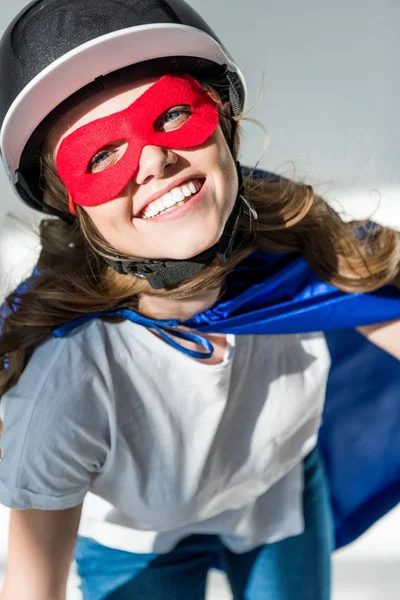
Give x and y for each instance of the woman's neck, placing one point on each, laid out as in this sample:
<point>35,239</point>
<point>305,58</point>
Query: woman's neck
<point>157,307</point>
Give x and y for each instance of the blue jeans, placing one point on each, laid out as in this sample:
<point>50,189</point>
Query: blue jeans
<point>297,568</point>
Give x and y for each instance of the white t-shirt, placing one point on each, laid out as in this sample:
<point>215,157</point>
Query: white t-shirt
<point>159,445</point>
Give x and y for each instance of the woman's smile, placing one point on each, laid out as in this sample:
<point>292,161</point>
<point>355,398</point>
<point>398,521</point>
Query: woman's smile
<point>175,203</point>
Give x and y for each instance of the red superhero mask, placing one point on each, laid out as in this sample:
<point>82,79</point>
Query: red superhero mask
<point>137,126</point>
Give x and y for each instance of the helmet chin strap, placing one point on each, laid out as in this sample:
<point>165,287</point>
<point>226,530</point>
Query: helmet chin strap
<point>160,273</point>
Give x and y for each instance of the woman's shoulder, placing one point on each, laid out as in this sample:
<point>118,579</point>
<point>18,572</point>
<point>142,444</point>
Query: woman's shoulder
<point>80,348</point>
<point>62,368</point>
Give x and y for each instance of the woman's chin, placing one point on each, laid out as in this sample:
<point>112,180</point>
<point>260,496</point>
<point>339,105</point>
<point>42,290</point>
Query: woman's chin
<point>191,250</point>
<point>178,245</point>
<point>180,250</point>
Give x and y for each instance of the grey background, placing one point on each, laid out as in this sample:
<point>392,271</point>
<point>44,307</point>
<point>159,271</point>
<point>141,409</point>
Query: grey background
<point>323,79</point>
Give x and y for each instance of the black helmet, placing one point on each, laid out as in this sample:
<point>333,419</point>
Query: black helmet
<point>55,52</point>
<point>54,48</point>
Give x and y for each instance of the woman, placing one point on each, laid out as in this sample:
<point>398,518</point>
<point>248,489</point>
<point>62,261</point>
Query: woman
<point>202,448</point>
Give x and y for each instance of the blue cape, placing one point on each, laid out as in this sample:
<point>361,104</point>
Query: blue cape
<point>360,435</point>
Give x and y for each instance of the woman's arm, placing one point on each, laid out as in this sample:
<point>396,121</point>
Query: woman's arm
<point>385,335</point>
<point>40,552</point>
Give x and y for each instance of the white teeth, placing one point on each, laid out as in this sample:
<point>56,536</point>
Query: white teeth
<point>158,205</point>
<point>168,200</point>
<point>151,210</point>
<point>148,212</point>
<point>174,198</point>
<point>177,195</point>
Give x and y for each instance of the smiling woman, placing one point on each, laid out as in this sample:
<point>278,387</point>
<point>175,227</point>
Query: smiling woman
<point>163,149</point>
<point>204,446</point>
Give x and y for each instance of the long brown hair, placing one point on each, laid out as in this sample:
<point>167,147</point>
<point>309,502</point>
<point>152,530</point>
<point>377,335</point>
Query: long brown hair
<point>73,279</point>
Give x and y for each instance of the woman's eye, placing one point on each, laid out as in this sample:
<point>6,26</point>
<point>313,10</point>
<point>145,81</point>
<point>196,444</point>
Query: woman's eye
<point>105,158</point>
<point>173,118</point>
<point>100,159</point>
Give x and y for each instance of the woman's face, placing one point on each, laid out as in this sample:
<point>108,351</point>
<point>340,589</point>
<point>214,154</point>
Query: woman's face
<point>127,221</point>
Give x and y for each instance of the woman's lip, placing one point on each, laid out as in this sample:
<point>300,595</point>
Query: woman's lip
<point>179,211</point>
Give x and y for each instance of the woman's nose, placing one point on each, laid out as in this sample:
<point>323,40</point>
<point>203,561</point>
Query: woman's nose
<point>153,162</point>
